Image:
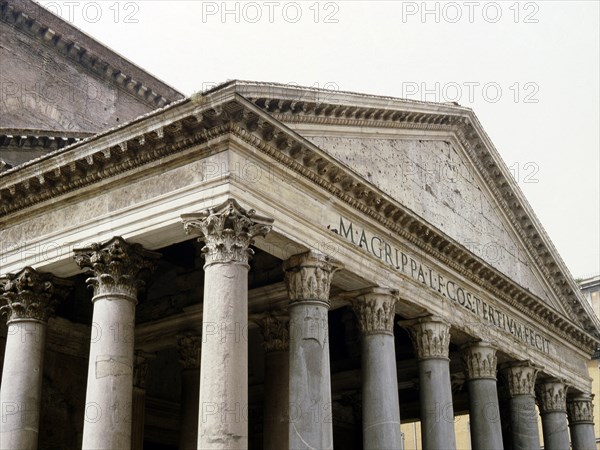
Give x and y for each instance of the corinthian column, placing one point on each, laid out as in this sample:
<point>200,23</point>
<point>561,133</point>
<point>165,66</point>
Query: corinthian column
<point>381,409</point>
<point>117,272</point>
<point>190,345</point>
<point>227,231</point>
<point>275,330</point>
<point>431,340</point>
<point>552,402</point>
<point>308,278</point>
<point>30,297</point>
<point>479,361</point>
<point>520,382</point>
<point>581,421</point>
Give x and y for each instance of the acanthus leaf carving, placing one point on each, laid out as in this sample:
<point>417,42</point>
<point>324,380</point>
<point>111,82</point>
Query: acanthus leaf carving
<point>580,409</point>
<point>551,396</point>
<point>31,295</point>
<point>228,231</point>
<point>430,337</point>
<point>308,277</point>
<point>116,266</point>
<point>276,332</point>
<point>519,377</point>
<point>375,311</point>
<point>479,361</point>
<point>189,345</point>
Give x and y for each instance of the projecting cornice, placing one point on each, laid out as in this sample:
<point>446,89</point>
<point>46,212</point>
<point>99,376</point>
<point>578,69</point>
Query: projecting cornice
<point>57,34</point>
<point>224,111</point>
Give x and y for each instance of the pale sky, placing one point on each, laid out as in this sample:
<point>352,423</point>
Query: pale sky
<point>530,71</point>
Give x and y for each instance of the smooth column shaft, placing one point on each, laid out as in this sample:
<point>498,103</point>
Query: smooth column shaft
<point>381,411</point>
<point>583,436</point>
<point>437,415</point>
<point>223,416</point>
<point>108,407</point>
<point>20,394</point>
<point>524,425</point>
<point>276,427</point>
<point>555,430</point>
<point>484,414</point>
<point>310,386</point>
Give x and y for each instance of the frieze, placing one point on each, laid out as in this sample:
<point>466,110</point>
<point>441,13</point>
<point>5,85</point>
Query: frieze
<point>411,266</point>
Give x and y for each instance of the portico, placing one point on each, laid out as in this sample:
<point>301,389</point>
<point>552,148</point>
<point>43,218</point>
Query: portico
<point>243,237</point>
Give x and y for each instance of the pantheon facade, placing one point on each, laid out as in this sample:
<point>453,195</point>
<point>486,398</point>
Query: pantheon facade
<point>267,266</point>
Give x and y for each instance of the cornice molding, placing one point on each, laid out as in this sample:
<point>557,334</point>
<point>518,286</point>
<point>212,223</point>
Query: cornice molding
<point>15,14</point>
<point>203,119</point>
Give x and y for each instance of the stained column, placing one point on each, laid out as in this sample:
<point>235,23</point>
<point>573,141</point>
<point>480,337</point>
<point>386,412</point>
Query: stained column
<point>189,345</point>
<point>308,278</point>
<point>30,297</point>
<point>580,410</point>
<point>118,271</point>
<point>227,231</point>
<point>552,402</point>
<point>520,383</point>
<point>275,330</point>
<point>381,410</point>
<point>479,362</point>
<point>431,340</point>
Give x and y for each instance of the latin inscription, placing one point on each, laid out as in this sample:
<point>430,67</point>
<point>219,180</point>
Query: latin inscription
<point>450,289</point>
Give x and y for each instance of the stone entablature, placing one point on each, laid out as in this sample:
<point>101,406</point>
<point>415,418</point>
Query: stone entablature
<point>236,118</point>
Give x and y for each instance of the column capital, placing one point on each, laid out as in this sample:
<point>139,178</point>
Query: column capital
<point>580,409</point>
<point>116,266</point>
<point>430,336</point>
<point>375,309</point>
<point>551,395</point>
<point>189,345</point>
<point>31,295</point>
<point>140,367</point>
<point>308,277</point>
<point>519,377</point>
<point>276,332</point>
<point>479,360</point>
<point>228,231</point>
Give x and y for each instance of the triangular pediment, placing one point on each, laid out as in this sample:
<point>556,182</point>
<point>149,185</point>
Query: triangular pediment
<point>437,161</point>
<point>293,132</point>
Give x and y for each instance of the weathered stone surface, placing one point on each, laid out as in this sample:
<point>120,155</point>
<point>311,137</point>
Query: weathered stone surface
<point>438,184</point>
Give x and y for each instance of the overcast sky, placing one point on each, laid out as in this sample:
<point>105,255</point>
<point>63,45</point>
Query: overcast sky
<point>530,71</point>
